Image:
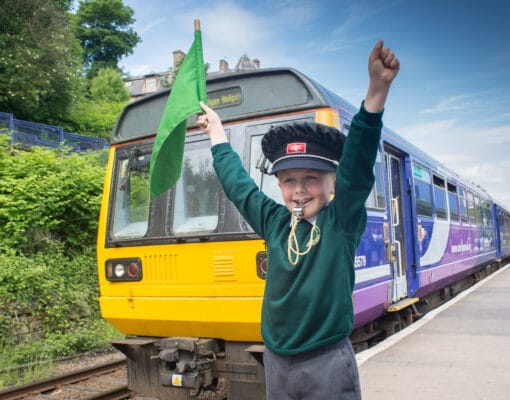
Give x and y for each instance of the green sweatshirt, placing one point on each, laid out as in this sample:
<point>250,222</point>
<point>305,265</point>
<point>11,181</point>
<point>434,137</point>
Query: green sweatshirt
<point>309,305</point>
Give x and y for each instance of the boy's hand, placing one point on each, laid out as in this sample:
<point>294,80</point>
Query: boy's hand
<point>211,124</point>
<point>383,67</point>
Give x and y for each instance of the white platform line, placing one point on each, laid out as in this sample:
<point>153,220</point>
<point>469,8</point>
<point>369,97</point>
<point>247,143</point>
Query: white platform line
<point>390,341</point>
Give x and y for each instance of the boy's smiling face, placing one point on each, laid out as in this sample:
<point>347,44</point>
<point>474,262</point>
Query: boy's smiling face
<point>309,188</point>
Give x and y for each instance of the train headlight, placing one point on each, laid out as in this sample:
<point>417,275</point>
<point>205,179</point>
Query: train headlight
<point>123,270</point>
<point>119,270</point>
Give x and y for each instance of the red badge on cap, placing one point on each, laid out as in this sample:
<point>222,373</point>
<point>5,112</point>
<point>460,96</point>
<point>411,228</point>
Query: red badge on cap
<point>296,148</point>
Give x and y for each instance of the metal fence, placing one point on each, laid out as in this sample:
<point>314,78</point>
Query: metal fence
<point>27,133</point>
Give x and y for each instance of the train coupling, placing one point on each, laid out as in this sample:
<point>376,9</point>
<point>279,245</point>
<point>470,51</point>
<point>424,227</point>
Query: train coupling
<point>186,362</point>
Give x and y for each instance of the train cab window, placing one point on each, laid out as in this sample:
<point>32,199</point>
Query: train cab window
<point>197,192</point>
<point>440,197</point>
<point>377,198</point>
<point>471,208</point>
<point>267,183</point>
<point>453,204</point>
<point>463,205</point>
<point>131,208</point>
<point>422,183</point>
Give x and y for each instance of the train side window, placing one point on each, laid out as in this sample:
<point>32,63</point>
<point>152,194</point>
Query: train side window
<point>463,205</point>
<point>422,183</point>
<point>479,212</point>
<point>471,207</point>
<point>452,202</point>
<point>488,214</point>
<point>377,198</point>
<point>440,197</point>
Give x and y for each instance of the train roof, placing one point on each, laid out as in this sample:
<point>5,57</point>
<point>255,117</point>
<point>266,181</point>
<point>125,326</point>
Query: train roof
<point>233,95</point>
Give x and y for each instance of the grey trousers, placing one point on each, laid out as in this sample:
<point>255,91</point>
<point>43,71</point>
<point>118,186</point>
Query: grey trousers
<point>329,372</point>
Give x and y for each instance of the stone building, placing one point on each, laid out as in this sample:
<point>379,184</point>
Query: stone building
<point>142,85</point>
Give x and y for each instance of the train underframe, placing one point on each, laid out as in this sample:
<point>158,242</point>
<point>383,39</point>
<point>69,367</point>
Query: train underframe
<point>180,368</point>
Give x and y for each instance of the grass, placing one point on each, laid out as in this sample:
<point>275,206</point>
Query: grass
<point>28,361</point>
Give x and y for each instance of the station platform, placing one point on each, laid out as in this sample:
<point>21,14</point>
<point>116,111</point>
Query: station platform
<point>459,351</point>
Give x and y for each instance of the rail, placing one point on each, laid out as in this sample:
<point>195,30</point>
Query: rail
<point>49,384</point>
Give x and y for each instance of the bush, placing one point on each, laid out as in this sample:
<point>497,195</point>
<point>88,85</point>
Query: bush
<point>46,294</point>
<point>49,196</point>
<point>49,210</point>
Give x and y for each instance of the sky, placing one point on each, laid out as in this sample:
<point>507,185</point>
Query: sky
<point>451,97</point>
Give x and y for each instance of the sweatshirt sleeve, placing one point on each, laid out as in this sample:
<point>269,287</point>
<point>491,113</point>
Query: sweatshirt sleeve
<point>355,176</point>
<point>241,189</point>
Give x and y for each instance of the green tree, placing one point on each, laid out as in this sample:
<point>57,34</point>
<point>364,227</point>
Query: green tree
<point>94,118</point>
<point>103,29</point>
<point>97,113</point>
<point>109,86</point>
<point>39,60</point>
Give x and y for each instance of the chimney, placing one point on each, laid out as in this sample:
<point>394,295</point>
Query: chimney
<point>178,57</point>
<point>223,66</point>
<point>256,61</point>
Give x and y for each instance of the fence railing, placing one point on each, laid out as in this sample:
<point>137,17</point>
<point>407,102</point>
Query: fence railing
<point>27,133</point>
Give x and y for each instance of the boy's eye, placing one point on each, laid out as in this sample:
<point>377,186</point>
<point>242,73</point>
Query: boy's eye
<point>310,180</point>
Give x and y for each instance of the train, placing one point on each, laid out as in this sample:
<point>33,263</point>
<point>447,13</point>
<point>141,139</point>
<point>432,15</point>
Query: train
<point>182,276</point>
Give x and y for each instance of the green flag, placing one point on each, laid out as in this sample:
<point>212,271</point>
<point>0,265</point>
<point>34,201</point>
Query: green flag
<point>187,91</point>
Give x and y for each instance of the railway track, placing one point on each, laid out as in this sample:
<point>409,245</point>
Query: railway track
<point>106,382</point>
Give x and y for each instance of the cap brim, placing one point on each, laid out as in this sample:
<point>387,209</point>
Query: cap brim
<point>303,163</point>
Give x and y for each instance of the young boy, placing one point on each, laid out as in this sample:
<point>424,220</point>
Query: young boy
<point>307,311</point>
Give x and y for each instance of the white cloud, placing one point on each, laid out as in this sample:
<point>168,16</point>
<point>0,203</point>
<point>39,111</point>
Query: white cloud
<point>480,155</point>
<point>141,29</point>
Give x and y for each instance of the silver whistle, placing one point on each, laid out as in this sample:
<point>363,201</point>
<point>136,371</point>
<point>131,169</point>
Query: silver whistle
<point>297,213</point>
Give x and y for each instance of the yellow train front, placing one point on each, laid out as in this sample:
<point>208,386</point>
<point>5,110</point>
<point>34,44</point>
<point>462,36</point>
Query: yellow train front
<point>183,276</point>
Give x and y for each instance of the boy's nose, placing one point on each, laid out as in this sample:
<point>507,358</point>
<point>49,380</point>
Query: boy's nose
<point>300,186</point>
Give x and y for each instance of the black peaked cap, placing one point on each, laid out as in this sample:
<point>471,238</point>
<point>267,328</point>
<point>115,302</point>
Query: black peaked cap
<point>303,145</point>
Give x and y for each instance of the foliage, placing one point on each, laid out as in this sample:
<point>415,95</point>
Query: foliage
<point>109,86</point>
<point>31,287</point>
<point>47,197</point>
<point>39,60</point>
<point>94,118</point>
<point>103,29</point>
<point>49,205</point>
<point>49,200</point>
<point>49,308</point>
<point>96,114</point>
<point>64,4</point>
<point>95,337</point>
